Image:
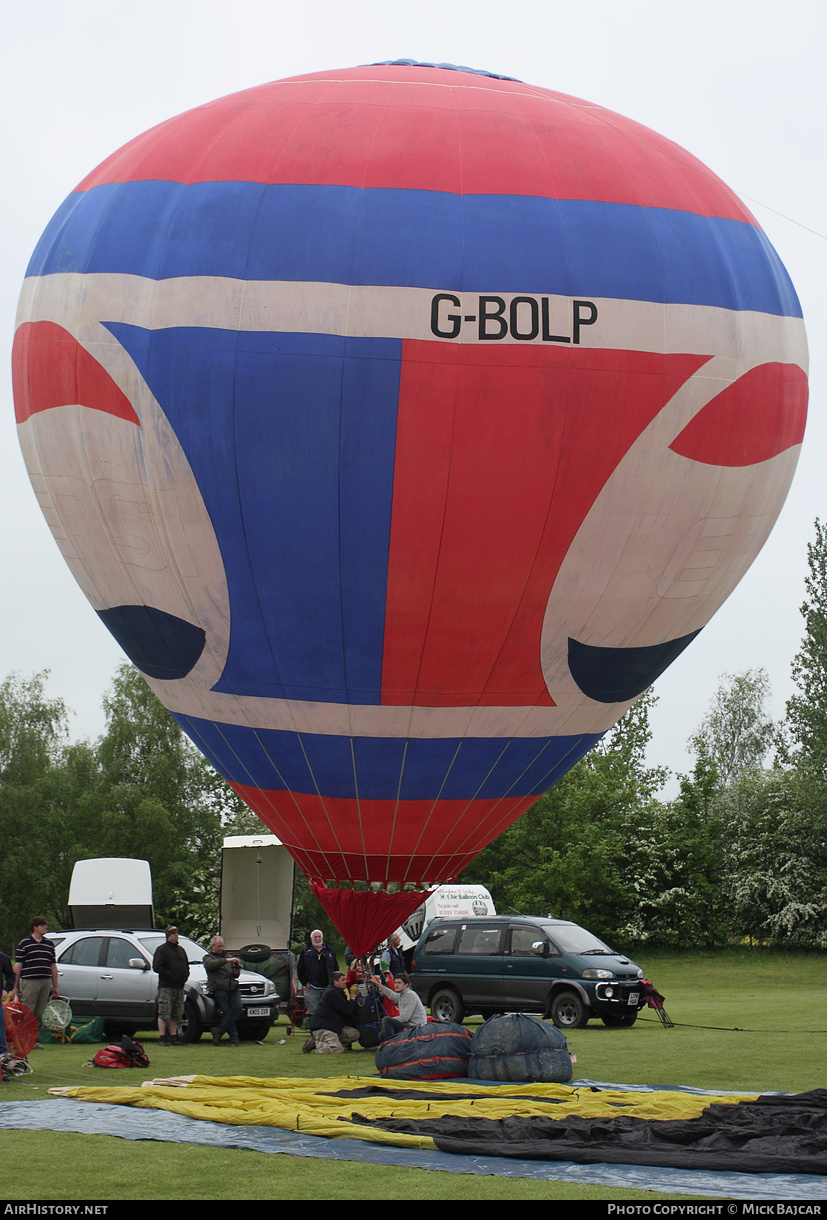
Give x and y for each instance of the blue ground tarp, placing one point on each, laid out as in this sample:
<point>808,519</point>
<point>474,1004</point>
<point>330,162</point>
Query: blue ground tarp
<point>92,1118</point>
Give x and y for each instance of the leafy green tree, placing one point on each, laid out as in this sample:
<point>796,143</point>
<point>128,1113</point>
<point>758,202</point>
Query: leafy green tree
<point>775,823</point>
<point>775,858</point>
<point>154,798</point>
<point>33,729</point>
<point>308,913</point>
<point>737,734</point>
<point>34,797</point>
<point>807,710</point>
<point>674,865</point>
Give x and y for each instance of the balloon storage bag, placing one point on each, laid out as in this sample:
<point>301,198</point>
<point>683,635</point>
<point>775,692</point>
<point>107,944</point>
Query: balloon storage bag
<point>436,1051</point>
<point>82,1031</point>
<point>517,1048</point>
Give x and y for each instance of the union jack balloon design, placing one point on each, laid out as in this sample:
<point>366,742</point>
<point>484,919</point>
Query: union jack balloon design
<point>403,423</point>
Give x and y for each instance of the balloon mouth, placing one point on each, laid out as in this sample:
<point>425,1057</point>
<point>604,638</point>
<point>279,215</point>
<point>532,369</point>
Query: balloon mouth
<point>367,917</point>
<point>160,645</point>
<point>617,675</point>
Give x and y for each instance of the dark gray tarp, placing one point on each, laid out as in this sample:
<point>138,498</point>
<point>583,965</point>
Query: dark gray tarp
<point>772,1134</point>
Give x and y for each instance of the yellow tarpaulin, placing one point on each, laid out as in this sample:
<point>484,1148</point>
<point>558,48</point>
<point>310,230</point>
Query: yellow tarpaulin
<point>312,1107</point>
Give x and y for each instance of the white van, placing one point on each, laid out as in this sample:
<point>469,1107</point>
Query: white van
<point>447,902</point>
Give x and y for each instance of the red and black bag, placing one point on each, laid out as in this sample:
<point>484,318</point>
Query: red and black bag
<point>126,1055</point>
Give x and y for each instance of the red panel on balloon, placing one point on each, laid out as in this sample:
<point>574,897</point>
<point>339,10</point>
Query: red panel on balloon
<point>387,840</point>
<point>51,369</point>
<point>371,128</point>
<point>754,419</point>
<point>498,460</point>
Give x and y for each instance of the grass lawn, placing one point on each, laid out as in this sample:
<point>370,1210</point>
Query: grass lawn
<point>746,1020</point>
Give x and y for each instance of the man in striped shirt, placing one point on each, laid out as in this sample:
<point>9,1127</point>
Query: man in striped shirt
<point>35,970</point>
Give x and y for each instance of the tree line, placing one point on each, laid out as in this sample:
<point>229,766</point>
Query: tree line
<point>739,856</point>
<point>141,790</point>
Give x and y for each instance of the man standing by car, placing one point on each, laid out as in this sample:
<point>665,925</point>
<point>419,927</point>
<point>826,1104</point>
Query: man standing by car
<point>222,982</point>
<point>35,970</point>
<point>394,955</point>
<point>315,968</point>
<point>170,964</point>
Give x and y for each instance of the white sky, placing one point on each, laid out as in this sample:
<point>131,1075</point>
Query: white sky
<point>740,85</point>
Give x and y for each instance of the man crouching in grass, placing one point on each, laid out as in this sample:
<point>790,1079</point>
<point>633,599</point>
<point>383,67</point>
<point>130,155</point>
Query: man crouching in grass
<point>329,1028</point>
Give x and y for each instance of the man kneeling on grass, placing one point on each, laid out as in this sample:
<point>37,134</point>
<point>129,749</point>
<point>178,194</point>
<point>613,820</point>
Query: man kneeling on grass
<point>330,1033</point>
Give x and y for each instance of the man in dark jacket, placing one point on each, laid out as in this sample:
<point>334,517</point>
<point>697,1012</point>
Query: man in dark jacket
<point>315,969</point>
<point>222,981</point>
<point>329,1023</point>
<point>395,956</point>
<point>170,964</point>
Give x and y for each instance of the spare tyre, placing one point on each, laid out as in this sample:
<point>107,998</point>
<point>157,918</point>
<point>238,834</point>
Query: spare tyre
<point>255,953</point>
<point>517,1048</point>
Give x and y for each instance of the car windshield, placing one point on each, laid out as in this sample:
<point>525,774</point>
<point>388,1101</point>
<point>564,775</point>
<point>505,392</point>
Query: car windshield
<point>572,939</point>
<point>195,953</point>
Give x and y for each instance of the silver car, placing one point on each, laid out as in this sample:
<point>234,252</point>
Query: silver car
<point>108,973</point>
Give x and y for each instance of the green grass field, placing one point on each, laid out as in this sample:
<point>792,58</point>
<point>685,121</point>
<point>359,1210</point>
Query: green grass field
<point>748,1020</point>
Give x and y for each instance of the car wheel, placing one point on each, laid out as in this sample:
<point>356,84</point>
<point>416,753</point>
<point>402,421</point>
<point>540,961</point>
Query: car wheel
<point>254,1031</point>
<point>115,1031</point>
<point>618,1020</point>
<point>190,1028</point>
<point>568,1011</point>
<point>447,1006</point>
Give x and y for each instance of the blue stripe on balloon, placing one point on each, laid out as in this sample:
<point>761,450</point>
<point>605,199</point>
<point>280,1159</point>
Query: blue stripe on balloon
<point>291,439</point>
<point>428,239</point>
<point>386,768</point>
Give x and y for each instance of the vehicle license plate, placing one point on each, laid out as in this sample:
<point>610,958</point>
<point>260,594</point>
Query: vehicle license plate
<point>633,995</point>
<point>257,1012</point>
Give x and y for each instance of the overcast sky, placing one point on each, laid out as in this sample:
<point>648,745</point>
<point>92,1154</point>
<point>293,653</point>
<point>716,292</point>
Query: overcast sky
<point>740,85</point>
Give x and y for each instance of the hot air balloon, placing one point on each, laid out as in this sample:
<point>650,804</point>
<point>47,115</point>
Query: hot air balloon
<point>403,423</point>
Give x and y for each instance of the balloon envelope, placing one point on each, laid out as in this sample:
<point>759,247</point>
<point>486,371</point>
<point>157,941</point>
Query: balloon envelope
<point>403,424</point>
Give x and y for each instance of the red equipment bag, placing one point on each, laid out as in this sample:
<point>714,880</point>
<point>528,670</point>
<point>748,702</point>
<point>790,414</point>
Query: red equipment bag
<point>128,1054</point>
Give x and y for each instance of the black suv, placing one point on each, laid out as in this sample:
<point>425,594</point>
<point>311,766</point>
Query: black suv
<point>521,963</point>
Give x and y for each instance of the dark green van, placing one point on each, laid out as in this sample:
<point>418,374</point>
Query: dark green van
<point>523,963</point>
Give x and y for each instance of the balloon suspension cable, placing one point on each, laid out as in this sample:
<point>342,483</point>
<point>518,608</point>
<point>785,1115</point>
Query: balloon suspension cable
<point>367,972</point>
